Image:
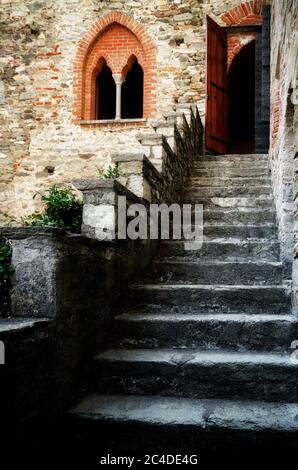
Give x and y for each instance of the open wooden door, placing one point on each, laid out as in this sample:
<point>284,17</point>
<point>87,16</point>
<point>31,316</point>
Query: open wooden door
<point>216,127</point>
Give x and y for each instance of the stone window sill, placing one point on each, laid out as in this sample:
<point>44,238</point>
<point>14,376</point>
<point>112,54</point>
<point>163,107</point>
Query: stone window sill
<point>113,122</point>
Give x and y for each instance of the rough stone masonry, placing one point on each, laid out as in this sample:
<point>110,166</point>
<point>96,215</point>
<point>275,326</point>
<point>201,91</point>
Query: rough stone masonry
<point>40,143</point>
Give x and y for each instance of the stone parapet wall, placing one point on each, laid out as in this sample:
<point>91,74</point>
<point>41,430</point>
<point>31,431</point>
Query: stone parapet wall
<point>67,289</point>
<point>161,180</point>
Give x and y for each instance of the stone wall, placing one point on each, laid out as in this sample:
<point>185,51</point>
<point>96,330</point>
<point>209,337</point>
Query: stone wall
<point>67,289</point>
<point>39,41</point>
<point>284,119</point>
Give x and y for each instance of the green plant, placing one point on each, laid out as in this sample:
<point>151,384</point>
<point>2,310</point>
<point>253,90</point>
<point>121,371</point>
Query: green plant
<point>62,210</point>
<point>6,269</point>
<point>111,172</point>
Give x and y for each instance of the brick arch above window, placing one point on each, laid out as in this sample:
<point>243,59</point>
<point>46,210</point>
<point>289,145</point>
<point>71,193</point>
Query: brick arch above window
<point>114,38</point>
<point>248,13</point>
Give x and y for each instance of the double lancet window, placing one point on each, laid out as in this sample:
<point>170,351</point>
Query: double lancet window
<point>115,71</point>
<point>120,96</point>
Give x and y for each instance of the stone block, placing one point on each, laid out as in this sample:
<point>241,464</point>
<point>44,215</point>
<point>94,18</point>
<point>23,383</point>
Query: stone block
<point>100,221</point>
<point>36,261</point>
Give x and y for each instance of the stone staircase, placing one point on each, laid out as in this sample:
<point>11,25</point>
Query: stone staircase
<point>200,357</point>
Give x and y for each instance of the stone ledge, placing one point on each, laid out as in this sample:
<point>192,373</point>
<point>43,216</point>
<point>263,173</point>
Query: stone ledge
<point>107,185</point>
<point>118,123</point>
<point>21,233</point>
<point>128,157</point>
<point>27,232</point>
<point>19,324</point>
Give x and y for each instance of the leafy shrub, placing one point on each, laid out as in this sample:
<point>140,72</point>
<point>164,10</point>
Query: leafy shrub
<point>111,172</point>
<point>6,269</point>
<point>62,210</point>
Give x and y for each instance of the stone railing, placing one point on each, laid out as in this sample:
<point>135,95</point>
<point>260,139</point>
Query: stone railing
<point>160,177</point>
<point>140,181</point>
<point>101,207</point>
<point>140,176</point>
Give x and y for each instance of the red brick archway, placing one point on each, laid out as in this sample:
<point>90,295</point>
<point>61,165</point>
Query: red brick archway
<point>236,41</point>
<point>248,13</point>
<point>114,40</point>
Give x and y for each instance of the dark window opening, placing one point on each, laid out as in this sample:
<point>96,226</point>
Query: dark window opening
<point>132,93</point>
<point>241,121</point>
<point>106,94</point>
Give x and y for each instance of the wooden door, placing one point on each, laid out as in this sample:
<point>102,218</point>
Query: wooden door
<point>216,128</point>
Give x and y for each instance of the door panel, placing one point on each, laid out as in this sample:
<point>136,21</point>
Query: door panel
<point>216,128</point>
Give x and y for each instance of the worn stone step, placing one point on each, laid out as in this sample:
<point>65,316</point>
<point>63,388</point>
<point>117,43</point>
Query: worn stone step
<point>198,182</point>
<point>213,163</point>
<point>239,216</point>
<point>179,298</point>
<point>239,232</point>
<point>198,374</point>
<point>257,202</point>
<point>230,172</point>
<point>251,157</point>
<point>233,332</point>
<point>210,272</point>
<point>215,231</point>
<point>226,167</point>
<point>137,425</point>
<point>245,216</point>
<point>223,250</point>
<point>192,193</point>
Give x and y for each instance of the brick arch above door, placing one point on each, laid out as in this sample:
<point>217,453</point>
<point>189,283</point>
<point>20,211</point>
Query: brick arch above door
<point>236,41</point>
<point>248,13</point>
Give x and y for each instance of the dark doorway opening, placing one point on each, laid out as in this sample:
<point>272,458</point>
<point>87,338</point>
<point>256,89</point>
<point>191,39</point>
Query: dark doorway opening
<point>241,92</point>
<point>132,93</point>
<point>106,94</point>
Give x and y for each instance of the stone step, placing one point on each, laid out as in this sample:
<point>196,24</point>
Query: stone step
<point>197,182</point>
<point>138,425</point>
<point>14,325</point>
<point>228,164</point>
<point>239,216</point>
<point>192,193</point>
<point>230,172</point>
<point>232,332</point>
<point>236,156</point>
<point>227,167</point>
<point>210,272</point>
<point>251,157</point>
<point>258,202</point>
<point>179,298</point>
<point>222,250</point>
<point>239,232</point>
<point>197,374</point>
<point>245,216</point>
